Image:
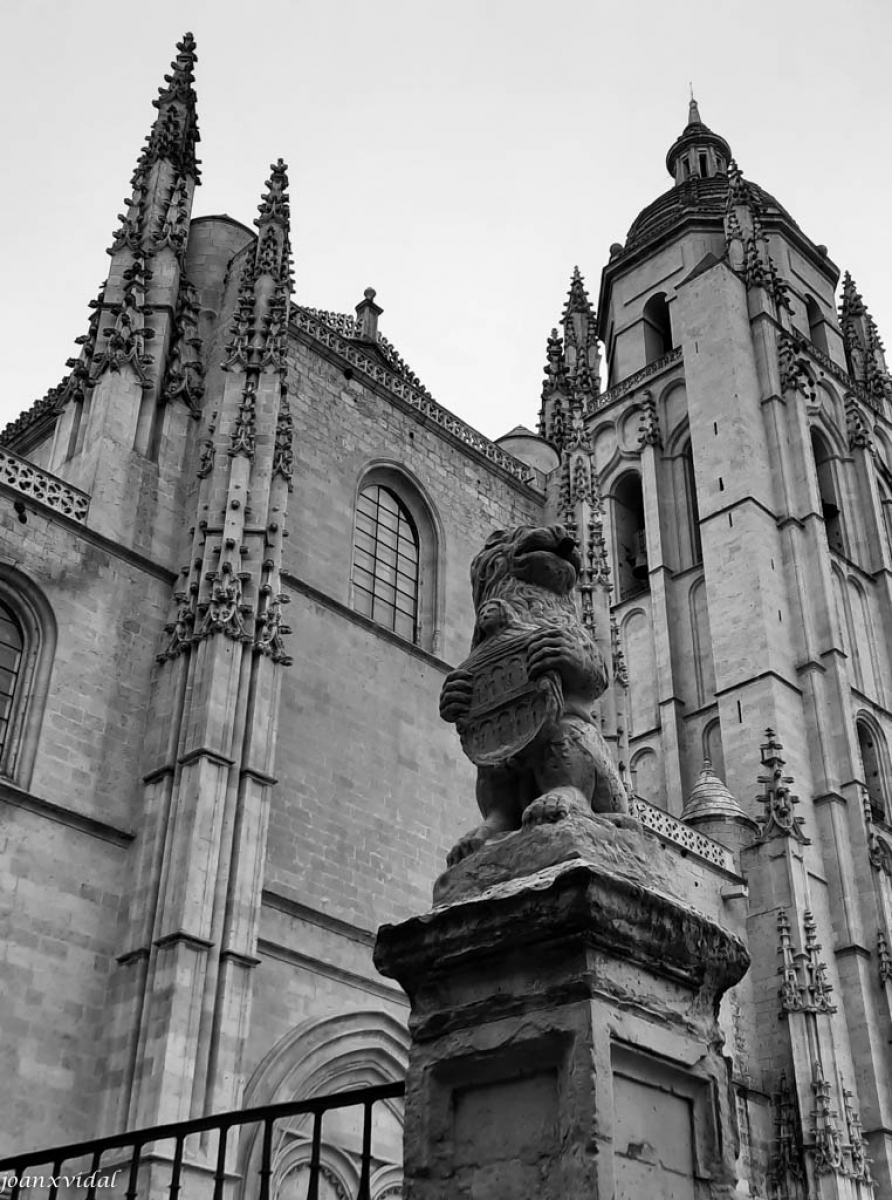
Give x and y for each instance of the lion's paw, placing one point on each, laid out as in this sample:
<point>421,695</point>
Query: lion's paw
<point>556,805</point>
<point>467,844</point>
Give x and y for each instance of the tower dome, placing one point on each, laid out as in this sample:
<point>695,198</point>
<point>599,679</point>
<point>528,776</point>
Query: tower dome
<point>698,162</point>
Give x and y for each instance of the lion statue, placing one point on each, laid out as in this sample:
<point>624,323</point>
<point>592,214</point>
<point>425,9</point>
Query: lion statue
<point>522,700</point>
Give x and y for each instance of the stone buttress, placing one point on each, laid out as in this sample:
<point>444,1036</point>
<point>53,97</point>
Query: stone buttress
<point>186,969</point>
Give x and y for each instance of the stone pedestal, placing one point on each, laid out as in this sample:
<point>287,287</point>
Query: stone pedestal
<point>563,1023</point>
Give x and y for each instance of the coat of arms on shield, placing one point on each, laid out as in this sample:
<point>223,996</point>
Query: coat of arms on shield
<point>508,709</point>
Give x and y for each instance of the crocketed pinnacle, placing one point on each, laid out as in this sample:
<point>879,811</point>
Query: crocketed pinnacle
<point>273,226</point>
<point>577,298</point>
<point>273,204</point>
<point>174,134</point>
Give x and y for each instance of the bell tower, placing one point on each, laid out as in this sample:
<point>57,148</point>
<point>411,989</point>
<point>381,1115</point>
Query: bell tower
<point>741,455</point>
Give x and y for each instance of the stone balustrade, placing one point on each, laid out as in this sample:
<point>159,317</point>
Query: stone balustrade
<point>40,485</point>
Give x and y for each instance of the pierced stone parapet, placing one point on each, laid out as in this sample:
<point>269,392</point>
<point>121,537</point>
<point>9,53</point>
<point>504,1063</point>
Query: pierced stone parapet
<point>670,829</point>
<point>39,485</point>
<point>628,385</point>
<point>420,401</point>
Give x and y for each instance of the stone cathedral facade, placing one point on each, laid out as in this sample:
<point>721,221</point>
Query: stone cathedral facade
<point>234,550</point>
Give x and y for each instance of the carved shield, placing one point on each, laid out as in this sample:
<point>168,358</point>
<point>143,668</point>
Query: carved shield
<point>508,709</point>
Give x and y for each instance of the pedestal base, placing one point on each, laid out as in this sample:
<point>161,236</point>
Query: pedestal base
<point>564,1037</point>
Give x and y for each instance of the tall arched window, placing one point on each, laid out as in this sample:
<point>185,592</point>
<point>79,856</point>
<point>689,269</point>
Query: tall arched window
<point>386,562</point>
<point>692,508</point>
<point>27,646</point>
<point>816,330</point>
<point>631,543</point>
<point>657,328</point>
<point>830,506</point>
<point>12,643</point>
<point>873,753</point>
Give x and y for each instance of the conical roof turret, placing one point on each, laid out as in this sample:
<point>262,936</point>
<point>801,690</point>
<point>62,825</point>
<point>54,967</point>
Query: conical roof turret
<point>710,799</point>
<point>698,151</point>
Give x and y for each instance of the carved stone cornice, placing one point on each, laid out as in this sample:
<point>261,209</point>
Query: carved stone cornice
<point>633,381</point>
<point>421,402</point>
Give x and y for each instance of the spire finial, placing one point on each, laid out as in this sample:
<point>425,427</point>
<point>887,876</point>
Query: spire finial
<point>174,134</point>
<point>693,110</point>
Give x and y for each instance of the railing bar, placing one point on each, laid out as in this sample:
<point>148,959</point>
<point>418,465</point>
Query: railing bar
<point>313,1189</point>
<point>94,1167</point>
<point>173,1190</point>
<point>366,1169</point>
<point>133,1181</point>
<point>54,1178</point>
<point>220,1172</point>
<point>275,1112</point>
<point>266,1155</point>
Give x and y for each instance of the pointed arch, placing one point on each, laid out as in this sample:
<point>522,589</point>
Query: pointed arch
<point>657,328</point>
<point>629,536</point>
<point>712,746</point>
<point>874,753</point>
<point>318,1057</point>
<point>704,666</point>
<point>26,663</point>
<point>829,497</point>
<point>817,330</point>
<point>646,771</point>
<point>636,638</point>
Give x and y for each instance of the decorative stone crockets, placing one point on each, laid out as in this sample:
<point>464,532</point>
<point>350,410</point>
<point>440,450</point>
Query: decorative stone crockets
<point>232,583</point>
<point>864,348</point>
<point>573,368</point>
<point>779,819</point>
<point>132,306</point>
<point>747,243</point>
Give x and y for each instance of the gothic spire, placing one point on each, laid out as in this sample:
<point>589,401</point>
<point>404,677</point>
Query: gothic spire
<point>863,345</point>
<point>174,133</point>
<point>259,328</point>
<point>581,356</point>
<point>155,221</point>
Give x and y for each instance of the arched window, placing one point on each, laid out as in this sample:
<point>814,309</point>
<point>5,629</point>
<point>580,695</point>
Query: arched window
<point>692,511</point>
<point>816,330</point>
<point>657,328</point>
<point>395,575</point>
<point>713,748</point>
<point>873,754</point>
<point>631,542</point>
<point>830,506</point>
<point>386,562</point>
<point>12,643</point>
<point>27,645</point>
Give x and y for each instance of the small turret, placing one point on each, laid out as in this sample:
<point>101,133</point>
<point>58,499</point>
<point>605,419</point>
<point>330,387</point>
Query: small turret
<point>711,809</point>
<point>698,153</point>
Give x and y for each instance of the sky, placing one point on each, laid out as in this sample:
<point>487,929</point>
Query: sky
<point>459,157</point>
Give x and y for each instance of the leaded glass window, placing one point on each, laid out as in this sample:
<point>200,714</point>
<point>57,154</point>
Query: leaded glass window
<point>11,643</point>
<point>385,564</point>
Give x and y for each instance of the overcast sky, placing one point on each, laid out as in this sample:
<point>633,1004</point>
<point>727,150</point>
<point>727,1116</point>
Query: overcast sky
<point>458,156</point>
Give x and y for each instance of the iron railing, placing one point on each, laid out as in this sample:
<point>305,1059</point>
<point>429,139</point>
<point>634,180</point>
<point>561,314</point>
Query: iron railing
<point>129,1152</point>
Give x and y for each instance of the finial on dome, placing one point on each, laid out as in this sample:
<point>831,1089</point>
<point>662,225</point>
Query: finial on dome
<point>693,110</point>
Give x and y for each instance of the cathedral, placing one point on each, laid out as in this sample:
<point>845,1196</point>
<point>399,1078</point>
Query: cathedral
<point>234,554</point>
